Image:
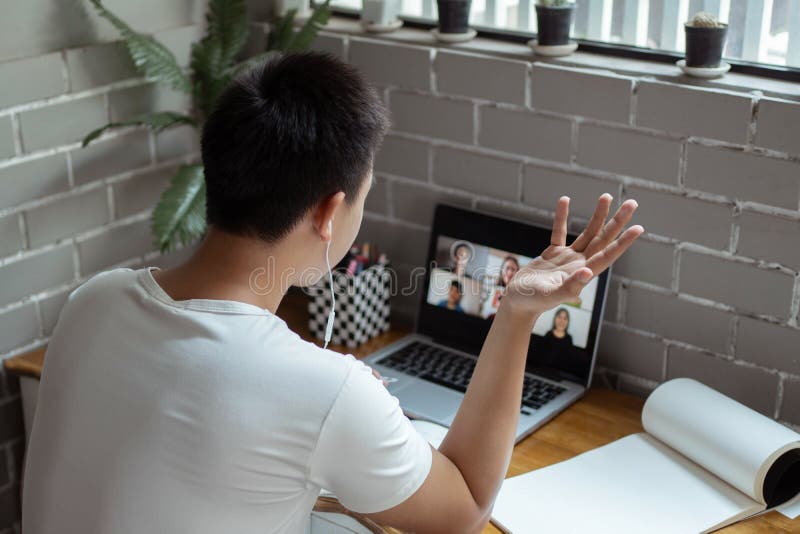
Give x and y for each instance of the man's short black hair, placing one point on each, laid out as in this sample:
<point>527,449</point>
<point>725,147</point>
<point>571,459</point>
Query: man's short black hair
<point>285,135</point>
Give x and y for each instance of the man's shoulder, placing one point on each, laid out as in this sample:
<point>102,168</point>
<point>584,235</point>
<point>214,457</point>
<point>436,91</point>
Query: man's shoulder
<point>104,281</point>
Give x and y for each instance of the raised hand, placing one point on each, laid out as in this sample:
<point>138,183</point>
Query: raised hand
<point>562,271</point>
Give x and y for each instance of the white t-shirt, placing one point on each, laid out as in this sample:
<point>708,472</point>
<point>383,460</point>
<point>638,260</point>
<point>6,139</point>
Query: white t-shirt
<point>203,416</point>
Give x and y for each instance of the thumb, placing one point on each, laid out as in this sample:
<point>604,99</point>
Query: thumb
<point>577,281</point>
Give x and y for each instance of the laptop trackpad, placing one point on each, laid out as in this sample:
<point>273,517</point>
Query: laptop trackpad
<point>430,400</point>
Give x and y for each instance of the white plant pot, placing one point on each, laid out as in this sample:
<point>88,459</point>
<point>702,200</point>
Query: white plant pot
<point>380,12</point>
<point>303,7</point>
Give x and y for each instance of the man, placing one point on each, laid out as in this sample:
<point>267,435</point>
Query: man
<point>454,294</point>
<point>176,401</point>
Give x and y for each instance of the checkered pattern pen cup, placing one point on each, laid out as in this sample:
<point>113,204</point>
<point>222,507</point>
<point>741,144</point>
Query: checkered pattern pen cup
<point>362,306</point>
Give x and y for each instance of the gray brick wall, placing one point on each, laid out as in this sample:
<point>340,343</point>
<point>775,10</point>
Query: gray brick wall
<point>67,212</point>
<point>712,290</point>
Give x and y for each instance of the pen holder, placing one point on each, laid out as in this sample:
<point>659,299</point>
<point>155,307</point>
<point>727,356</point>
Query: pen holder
<point>362,306</point>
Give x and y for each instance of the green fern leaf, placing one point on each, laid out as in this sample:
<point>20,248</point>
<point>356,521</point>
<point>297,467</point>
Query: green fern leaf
<point>282,31</point>
<point>302,39</point>
<point>227,24</point>
<point>155,121</point>
<point>152,58</point>
<point>180,214</point>
<point>209,73</point>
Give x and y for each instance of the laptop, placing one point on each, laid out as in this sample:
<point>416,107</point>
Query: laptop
<point>471,256</point>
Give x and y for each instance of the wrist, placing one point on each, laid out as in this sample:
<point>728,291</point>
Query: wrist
<point>519,316</point>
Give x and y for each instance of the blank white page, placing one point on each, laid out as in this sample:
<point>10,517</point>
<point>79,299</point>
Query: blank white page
<point>635,484</point>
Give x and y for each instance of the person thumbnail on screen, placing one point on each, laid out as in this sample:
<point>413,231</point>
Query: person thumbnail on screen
<point>454,296</point>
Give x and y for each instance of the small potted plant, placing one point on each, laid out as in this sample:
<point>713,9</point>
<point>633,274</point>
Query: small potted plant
<point>705,40</point>
<point>554,19</point>
<point>454,21</point>
<point>379,16</point>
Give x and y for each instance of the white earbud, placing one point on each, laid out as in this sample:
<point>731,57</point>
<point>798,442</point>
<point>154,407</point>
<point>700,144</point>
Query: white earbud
<point>332,314</point>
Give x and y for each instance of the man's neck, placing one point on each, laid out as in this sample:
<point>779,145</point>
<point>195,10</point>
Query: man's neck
<point>230,267</point>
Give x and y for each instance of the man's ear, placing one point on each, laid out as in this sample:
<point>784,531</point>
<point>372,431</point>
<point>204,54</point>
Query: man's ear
<point>325,213</point>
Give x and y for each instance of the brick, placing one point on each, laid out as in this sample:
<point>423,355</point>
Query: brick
<point>115,246</point>
<point>613,298</point>
<point>50,309</point>
<point>127,103</point>
<point>29,79</point>
<point>678,319</point>
<point>776,126</point>
<point>630,352</point>
<point>377,197</point>
<point>683,218</point>
<point>67,216</point>
<point>515,212</point>
<point>744,286</point>
<point>141,192</point>
<point>108,157</point>
<point>790,407</point>
<point>416,203</point>
<point>61,124</point>
<point>767,237</point>
<point>525,133</point>
<point>629,153</point>
<point>403,157</point>
<point>485,175</point>
<point>696,112</point>
<point>179,41</point>
<point>34,179</point>
<point>392,64</point>
<point>501,80</point>
<point>604,96</point>
<point>752,387</point>
<point>542,187</point>
<point>10,236</point>
<point>18,327</point>
<point>768,345</point>
<point>431,116</point>
<point>177,142</point>
<point>91,66</point>
<point>6,138</point>
<point>647,261</point>
<point>35,273</point>
<point>403,245</point>
<point>330,43</point>
<point>743,176</point>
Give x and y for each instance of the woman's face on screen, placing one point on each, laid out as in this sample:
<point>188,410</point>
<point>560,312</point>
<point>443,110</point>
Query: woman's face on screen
<point>562,321</point>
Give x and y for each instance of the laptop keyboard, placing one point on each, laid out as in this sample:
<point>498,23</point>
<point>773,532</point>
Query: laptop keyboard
<point>453,370</point>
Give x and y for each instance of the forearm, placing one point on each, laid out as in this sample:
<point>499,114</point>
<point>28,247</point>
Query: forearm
<point>481,438</point>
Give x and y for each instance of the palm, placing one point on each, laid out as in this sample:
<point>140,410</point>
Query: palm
<point>559,274</point>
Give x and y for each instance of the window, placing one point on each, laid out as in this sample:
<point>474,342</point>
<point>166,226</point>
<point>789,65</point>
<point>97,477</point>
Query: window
<point>765,32</point>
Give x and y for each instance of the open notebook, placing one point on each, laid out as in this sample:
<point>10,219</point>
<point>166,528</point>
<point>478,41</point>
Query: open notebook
<point>704,461</point>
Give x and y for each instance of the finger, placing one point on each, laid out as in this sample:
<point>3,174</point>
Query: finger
<point>600,261</point>
<point>577,281</point>
<point>595,223</point>
<point>559,235</point>
<point>612,228</point>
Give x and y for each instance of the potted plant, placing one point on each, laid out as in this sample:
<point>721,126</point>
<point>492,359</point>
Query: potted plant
<point>554,19</point>
<point>454,21</point>
<point>381,15</point>
<point>180,213</point>
<point>705,40</point>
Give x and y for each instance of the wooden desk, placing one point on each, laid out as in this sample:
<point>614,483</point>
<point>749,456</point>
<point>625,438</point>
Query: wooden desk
<point>601,417</point>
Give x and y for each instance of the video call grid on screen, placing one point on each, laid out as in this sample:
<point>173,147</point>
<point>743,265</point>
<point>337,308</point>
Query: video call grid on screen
<point>479,274</point>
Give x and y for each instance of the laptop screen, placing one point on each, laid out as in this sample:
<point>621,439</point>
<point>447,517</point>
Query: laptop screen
<point>467,278</point>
